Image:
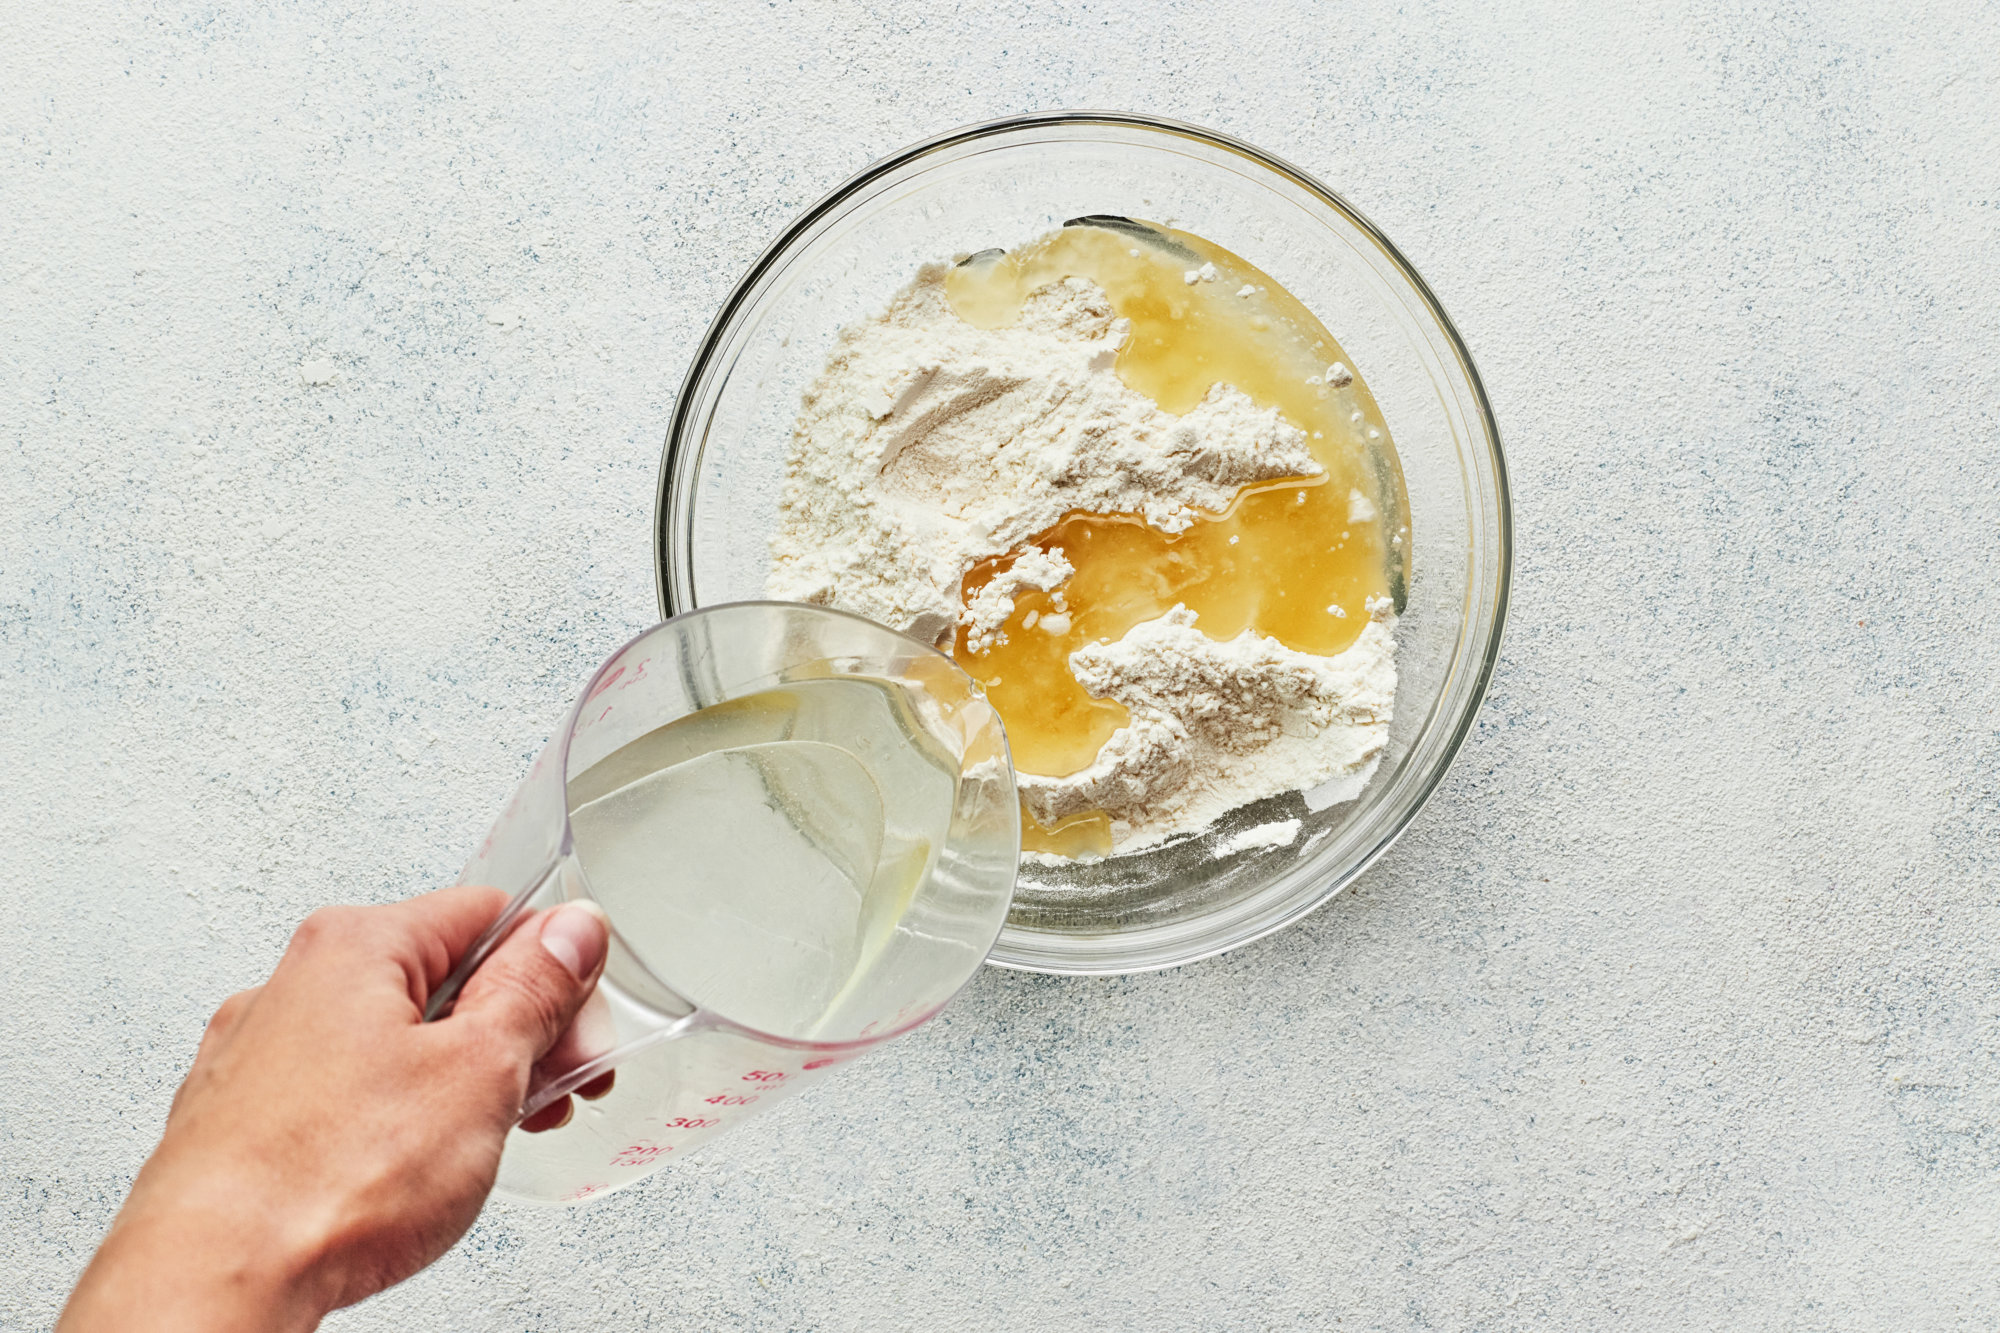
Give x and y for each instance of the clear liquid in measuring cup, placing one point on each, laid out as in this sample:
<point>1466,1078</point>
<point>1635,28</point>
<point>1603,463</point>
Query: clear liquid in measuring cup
<point>760,854</point>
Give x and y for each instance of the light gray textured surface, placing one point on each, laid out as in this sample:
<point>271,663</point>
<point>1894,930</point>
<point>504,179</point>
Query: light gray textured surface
<point>1680,1007</point>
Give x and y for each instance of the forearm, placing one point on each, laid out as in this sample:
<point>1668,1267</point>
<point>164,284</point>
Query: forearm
<point>167,1269</point>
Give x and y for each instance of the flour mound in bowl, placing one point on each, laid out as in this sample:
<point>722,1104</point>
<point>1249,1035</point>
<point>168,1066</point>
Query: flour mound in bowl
<point>1219,724</point>
<point>928,445</point>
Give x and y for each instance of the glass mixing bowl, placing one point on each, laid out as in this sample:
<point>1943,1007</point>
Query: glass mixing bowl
<point>1004,183</point>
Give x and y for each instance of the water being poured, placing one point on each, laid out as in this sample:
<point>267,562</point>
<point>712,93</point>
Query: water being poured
<point>760,856</point>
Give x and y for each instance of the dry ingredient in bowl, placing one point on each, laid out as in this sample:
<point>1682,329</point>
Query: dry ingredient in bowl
<point>1138,492</point>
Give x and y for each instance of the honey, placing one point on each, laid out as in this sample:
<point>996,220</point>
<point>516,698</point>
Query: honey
<point>1296,560</point>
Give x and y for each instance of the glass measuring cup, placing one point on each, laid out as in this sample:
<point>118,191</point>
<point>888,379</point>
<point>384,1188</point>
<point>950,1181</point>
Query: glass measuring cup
<point>720,779</point>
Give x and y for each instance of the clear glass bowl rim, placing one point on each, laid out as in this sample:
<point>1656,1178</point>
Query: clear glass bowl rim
<point>675,460</point>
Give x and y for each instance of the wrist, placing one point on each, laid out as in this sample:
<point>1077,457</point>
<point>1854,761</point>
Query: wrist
<point>178,1260</point>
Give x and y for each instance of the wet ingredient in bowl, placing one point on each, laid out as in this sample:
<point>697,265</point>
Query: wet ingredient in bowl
<point>1138,490</point>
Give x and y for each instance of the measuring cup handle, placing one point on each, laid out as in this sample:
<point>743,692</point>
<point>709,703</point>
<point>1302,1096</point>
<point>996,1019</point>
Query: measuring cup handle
<point>548,1084</point>
<point>541,1092</point>
<point>446,995</point>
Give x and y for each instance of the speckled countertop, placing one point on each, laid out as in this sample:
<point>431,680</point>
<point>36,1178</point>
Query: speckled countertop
<point>338,343</point>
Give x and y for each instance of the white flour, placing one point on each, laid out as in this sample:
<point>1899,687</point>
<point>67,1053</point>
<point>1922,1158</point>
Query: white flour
<point>1260,837</point>
<point>1216,725</point>
<point>1034,570</point>
<point>928,445</point>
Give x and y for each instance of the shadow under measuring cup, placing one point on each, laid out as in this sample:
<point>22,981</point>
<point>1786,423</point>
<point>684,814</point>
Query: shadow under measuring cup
<point>803,829</point>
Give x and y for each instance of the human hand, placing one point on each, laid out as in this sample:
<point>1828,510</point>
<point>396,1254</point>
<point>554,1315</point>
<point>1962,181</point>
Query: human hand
<point>327,1142</point>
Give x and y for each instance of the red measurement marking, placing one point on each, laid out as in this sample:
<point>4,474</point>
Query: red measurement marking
<point>689,1122</point>
<point>643,1153</point>
<point>764,1076</point>
<point>606,683</point>
<point>826,1060</point>
<point>731,1099</point>
<point>584,1191</point>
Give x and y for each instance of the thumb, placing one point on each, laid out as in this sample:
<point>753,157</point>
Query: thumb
<point>527,992</point>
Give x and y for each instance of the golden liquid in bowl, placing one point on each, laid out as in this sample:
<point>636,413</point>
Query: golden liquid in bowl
<point>1296,560</point>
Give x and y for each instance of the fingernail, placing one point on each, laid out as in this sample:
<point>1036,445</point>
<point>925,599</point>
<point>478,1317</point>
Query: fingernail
<point>576,934</point>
